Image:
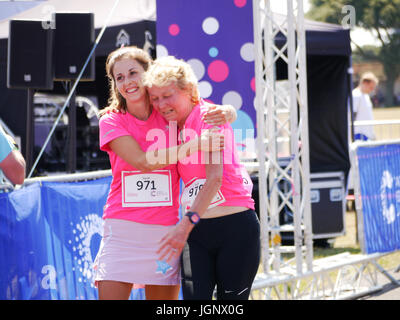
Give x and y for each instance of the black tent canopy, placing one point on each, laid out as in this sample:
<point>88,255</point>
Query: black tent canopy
<point>326,39</point>
<point>329,88</point>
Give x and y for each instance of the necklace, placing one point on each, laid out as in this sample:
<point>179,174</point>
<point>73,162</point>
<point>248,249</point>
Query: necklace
<point>181,135</point>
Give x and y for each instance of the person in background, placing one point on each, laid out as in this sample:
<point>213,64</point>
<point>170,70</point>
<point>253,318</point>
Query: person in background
<point>362,106</point>
<point>219,234</point>
<point>143,201</point>
<point>12,163</point>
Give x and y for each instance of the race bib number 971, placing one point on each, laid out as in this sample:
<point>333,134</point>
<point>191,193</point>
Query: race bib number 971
<point>146,189</point>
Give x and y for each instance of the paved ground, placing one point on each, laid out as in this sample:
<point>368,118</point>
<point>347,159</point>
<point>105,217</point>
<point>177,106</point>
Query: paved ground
<point>390,291</point>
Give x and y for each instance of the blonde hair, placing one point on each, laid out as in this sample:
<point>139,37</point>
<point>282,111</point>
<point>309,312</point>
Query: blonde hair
<point>170,70</point>
<point>369,76</point>
<point>116,102</point>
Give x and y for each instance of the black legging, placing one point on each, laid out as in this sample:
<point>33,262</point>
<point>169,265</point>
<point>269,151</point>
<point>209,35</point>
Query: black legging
<point>225,252</point>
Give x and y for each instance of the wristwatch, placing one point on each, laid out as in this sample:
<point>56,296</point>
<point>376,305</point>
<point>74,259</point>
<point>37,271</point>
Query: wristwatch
<point>193,217</point>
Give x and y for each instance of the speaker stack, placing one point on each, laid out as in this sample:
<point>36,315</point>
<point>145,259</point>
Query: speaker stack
<point>30,50</point>
<point>40,53</point>
<point>74,39</point>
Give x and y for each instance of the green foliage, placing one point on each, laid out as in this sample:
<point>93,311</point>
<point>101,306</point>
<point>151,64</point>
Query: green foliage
<point>368,53</point>
<point>326,11</point>
<point>370,14</point>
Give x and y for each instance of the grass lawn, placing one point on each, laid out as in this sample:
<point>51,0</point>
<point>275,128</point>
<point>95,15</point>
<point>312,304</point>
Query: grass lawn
<point>346,243</point>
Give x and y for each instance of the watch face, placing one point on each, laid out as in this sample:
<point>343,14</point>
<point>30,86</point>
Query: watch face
<point>195,218</point>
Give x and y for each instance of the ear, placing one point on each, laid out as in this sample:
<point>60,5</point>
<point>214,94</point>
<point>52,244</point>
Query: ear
<point>195,97</point>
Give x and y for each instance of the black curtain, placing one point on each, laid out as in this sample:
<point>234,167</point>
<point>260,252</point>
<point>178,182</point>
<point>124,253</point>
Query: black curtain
<point>327,113</point>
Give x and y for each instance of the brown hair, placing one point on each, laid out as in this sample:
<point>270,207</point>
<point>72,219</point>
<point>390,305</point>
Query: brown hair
<point>116,102</point>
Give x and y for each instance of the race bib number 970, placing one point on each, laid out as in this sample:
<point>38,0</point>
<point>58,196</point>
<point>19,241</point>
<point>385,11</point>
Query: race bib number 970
<point>191,191</point>
<point>146,189</point>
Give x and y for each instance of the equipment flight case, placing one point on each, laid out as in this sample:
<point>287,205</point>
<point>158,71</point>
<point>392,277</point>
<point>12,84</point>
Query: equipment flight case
<point>328,205</point>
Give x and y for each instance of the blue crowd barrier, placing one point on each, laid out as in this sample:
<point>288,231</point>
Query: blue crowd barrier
<point>379,186</point>
<point>50,233</point>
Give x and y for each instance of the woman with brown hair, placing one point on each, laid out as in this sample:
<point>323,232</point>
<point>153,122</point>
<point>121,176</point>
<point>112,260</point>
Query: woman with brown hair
<point>142,205</point>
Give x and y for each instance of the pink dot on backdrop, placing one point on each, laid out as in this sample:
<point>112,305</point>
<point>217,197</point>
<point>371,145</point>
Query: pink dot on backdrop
<point>253,84</point>
<point>240,3</point>
<point>218,70</point>
<point>174,29</point>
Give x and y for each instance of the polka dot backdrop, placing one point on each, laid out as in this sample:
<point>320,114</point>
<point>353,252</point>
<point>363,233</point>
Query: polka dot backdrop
<point>216,39</point>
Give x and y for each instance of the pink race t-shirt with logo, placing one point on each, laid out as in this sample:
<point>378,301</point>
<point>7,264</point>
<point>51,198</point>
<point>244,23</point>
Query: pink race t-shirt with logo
<point>236,184</point>
<point>144,197</point>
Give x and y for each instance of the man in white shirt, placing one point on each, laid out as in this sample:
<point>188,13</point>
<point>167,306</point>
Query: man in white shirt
<point>362,106</point>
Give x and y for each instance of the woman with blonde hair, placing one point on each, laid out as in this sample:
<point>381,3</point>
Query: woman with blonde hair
<point>142,205</point>
<point>219,235</point>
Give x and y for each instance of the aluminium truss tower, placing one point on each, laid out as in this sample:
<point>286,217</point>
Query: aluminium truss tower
<point>282,117</point>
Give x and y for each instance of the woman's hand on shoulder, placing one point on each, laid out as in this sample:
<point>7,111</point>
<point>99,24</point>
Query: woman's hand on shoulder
<point>218,115</point>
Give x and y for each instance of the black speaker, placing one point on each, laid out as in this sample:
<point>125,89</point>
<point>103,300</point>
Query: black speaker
<point>30,47</point>
<point>74,40</point>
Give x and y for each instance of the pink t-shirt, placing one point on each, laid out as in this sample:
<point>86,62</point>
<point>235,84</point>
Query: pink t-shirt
<point>144,197</point>
<point>236,184</point>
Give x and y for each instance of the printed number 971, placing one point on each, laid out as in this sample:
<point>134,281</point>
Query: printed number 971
<point>146,184</point>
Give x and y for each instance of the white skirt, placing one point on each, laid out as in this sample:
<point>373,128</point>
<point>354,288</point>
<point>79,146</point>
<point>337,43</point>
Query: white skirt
<point>127,253</point>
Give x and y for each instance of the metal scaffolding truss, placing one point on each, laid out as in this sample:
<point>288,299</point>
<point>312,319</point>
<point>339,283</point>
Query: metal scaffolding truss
<point>342,276</point>
<point>282,130</point>
<point>282,120</point>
